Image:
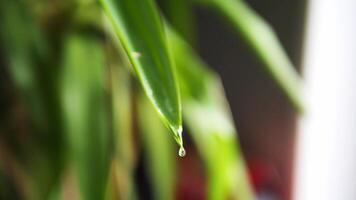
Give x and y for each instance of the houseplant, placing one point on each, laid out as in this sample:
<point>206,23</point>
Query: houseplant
<point>84,72</point>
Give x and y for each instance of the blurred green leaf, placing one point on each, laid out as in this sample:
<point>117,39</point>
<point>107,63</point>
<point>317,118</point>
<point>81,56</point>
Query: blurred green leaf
<point>208,117</point>
<point>20,40</point>
<point>263,40</point>
<point>180,15</point>
<point>137,24</point>
<point>85,113</point>
<point>122,117</point>
<point>159,152</point>
<point>28,55</point>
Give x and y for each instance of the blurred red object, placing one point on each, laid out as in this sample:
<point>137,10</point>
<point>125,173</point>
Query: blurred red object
<point>264,177</point>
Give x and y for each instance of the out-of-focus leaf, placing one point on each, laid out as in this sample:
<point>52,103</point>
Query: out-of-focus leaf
<point>263,40</point>
<point>137,24</point>
<point>122,116</point>
<point>207,115</point>
<point>18,40</point>
<point>180,15</point>
<point>159,152</point>
<point>27,55</point>
<point>85,114</point>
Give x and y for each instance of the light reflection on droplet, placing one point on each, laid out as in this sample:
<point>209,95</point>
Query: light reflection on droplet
<point>181,152</point>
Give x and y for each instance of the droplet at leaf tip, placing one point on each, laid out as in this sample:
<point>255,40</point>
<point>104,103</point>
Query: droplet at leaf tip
<point>181,152</point>
<point>179,139</point>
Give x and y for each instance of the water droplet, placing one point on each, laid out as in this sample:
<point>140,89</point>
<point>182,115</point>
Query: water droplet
<point>181,152</point>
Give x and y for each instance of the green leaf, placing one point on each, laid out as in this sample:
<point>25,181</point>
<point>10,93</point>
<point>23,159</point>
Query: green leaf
<point>138,26</point>
<point>85,113</point>
<point>180,15</point>
<point>208,117</point>
<point>263,40</point>
<point>122,122</point>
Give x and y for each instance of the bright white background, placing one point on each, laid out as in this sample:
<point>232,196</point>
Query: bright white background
<point>326,149</point>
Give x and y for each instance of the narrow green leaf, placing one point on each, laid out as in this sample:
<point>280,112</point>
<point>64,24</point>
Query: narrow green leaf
<point>137,24</point>
<point>180,15</point>
<point>263,40</point>
<point>122,121</point>
<point>85,113</point>
<point>158,151</point>
<point>208,117</point>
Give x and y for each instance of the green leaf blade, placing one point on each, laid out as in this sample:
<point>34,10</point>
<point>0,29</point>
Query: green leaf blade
<point>208,117</point>
<point>137,24</point>
<point>85,116</point>
<point>259,35</point>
